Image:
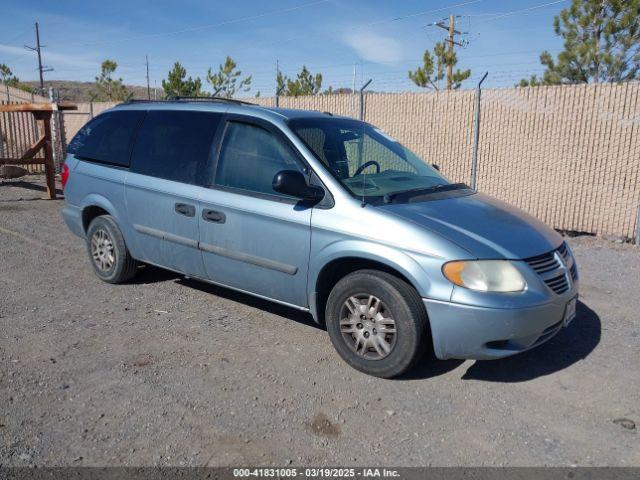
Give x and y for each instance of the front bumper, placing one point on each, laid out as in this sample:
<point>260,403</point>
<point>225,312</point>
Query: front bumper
<point>481,333</point>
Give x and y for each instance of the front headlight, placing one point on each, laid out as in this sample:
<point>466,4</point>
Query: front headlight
<point>485,275</point>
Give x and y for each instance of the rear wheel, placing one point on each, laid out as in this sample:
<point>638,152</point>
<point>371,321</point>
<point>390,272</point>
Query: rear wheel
<point>108,253</point>
<point>376,322</point>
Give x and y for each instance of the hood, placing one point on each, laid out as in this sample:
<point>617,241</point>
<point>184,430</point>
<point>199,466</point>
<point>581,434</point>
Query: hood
<point>485,226</point>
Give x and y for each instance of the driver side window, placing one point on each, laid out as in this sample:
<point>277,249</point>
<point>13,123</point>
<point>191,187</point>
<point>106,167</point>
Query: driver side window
<point>251,156</point>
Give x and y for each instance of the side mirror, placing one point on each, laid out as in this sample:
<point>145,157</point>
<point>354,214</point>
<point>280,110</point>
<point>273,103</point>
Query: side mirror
<point>436,166</point>
<point>293,183</point>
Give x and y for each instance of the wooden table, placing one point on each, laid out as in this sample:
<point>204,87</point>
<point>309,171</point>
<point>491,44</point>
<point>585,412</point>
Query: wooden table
<point>42,112</point>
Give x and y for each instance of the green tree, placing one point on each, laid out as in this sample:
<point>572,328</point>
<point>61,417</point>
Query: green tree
<point>7,76</point>
<point>281,83</point>
<point>305,83</point>
<point>226,83</point>
<point>109,89</point>
<point>338,91</point>
<point>178,85</point>
<point>601,44</point>
<point>431,74</point>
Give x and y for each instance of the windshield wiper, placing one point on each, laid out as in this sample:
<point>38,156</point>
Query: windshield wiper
<point>441,187</point>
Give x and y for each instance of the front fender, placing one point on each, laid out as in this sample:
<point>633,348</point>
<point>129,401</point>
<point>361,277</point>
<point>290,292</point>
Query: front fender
<point>415,270</point>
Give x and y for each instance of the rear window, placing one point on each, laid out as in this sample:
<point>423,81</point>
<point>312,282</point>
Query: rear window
<point>107,138</point>
<point>175,145</point>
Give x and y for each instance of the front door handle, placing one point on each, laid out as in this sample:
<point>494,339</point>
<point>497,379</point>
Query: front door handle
<point>186,210</point>
<point>213,216</point>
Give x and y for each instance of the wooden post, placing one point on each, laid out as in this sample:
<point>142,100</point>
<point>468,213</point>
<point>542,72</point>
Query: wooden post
<point>42,112</point>
<point>44,121</point>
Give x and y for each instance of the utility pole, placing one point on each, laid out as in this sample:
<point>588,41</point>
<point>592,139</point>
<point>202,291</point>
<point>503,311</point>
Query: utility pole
<point>146,57</point>
<point>41,68</point>
<point>39,57</point>
<point>354,78</point>
<point>451,41</point>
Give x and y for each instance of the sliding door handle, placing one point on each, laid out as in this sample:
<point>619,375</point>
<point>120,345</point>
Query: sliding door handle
<point>185,209</point>
<point>213,216</point>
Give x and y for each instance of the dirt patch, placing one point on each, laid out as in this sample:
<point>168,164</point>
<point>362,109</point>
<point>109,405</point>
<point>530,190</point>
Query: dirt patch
<point>11,207</point>
<point>321,425</point>
<point>142,360</point>
<point>625,423</point>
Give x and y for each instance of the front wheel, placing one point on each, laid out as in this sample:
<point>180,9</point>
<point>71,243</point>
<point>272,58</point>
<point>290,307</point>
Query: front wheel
<point>376,322</point>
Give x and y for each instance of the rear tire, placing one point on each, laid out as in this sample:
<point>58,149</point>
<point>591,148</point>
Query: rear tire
<point>377,323</point>
<point>108,253</point>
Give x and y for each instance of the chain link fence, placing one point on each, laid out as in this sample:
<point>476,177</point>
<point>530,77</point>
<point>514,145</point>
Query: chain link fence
<point>569,155</point>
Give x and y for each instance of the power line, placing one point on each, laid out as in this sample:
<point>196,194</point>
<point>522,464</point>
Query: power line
<point>16,37</point>
<point>418,14</point>
<point>387,20</point>
<point>19,56</point>
<point>523,11</point>
<point>212,25</point>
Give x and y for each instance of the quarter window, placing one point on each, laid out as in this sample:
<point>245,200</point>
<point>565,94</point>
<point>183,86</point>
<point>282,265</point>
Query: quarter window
<point>251,156</point>
<point>107,138</point>
<point>175,145</point>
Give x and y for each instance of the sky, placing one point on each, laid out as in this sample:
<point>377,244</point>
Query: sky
<point>379,39</point>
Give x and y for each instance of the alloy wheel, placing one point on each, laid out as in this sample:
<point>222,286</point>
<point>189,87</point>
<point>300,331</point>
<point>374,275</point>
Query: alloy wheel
<point>367,326</point>
<point>102,250</point>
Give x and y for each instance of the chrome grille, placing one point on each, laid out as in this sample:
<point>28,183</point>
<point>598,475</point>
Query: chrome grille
<point>568,260</point>
<point>574,272</point>
<point>544,263</point>
<point>552,270</point>
<point>558,284</point>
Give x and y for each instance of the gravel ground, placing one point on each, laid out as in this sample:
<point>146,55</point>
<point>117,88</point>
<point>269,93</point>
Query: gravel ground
<point>168,371</point>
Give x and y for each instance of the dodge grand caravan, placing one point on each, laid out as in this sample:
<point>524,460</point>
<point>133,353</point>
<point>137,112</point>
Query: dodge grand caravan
<point>325,214</point>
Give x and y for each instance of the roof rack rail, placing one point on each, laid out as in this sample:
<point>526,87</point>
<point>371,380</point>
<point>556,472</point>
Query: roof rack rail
<point>192,99</point>
<point>180,98</point>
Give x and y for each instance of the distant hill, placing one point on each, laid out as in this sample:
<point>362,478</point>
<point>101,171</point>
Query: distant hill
<point>75,91</point>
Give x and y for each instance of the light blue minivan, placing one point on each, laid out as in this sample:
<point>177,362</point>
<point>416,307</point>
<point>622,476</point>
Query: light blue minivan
<point>325,214</point>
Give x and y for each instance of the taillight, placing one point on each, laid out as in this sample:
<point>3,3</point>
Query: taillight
<point>64,174</point>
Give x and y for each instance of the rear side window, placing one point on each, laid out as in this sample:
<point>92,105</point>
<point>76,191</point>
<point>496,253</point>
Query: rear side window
<point>107,138</point>
<point>175,145</point>
<point>251,156</point>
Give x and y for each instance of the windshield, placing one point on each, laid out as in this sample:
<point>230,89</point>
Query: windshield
<point>368,162</point>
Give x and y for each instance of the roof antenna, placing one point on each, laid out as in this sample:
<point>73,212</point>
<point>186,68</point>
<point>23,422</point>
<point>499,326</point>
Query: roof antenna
<point>361,143</point>
<point>364,182</point>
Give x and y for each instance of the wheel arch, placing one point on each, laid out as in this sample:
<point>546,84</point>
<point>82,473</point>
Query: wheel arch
<point>324,275</point>
<point>95,205</point>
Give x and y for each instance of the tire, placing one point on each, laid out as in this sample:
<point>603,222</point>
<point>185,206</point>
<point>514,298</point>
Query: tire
<point>108,254</point>
<point>399,302</point>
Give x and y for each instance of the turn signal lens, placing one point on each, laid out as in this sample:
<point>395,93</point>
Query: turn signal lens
<point>485,275</point>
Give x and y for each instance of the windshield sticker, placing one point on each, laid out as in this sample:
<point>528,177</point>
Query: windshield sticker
<point>385,135</point>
